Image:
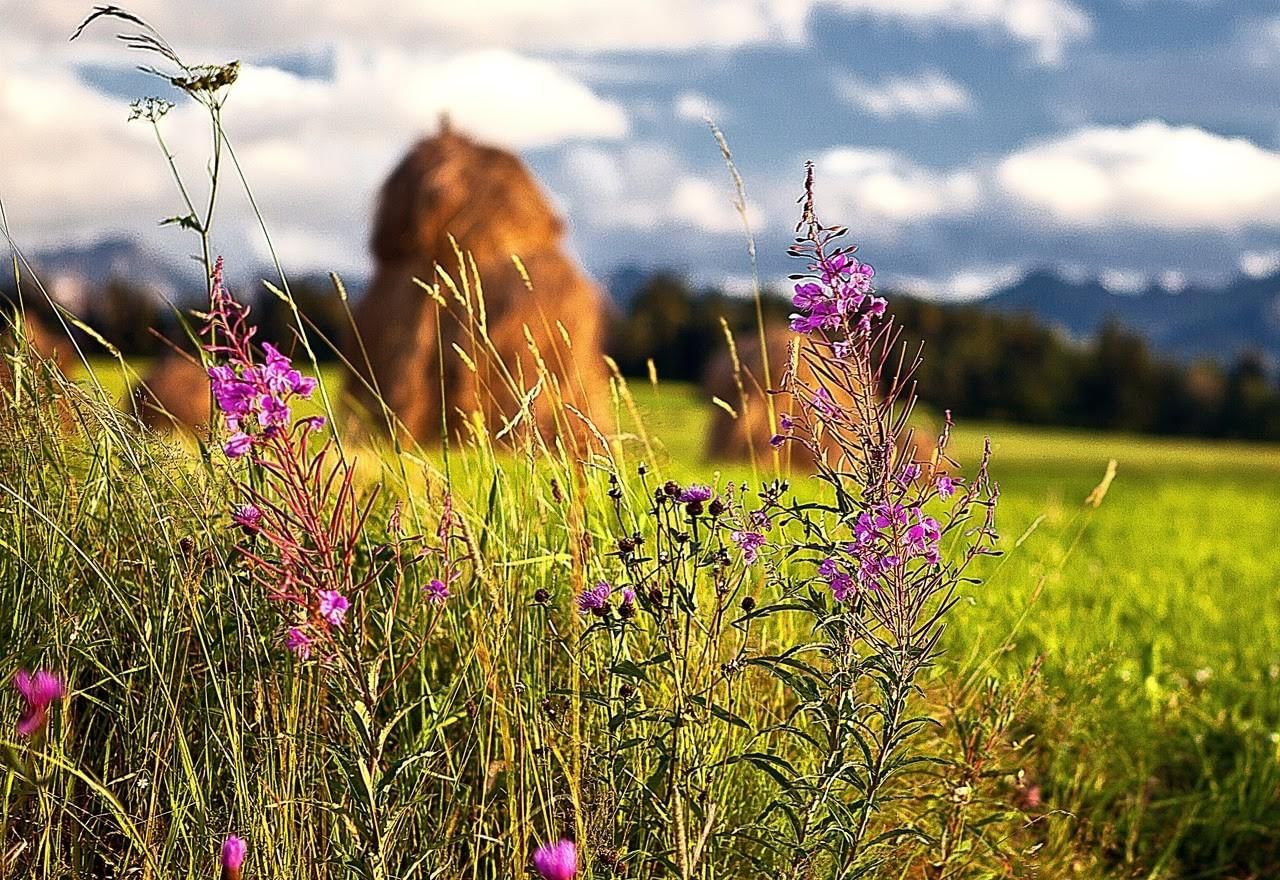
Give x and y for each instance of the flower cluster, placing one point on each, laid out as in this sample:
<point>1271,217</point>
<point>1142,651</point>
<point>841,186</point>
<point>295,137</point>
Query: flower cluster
<point>253,398</point>
<point>885,539</point>
<point>840,295</point>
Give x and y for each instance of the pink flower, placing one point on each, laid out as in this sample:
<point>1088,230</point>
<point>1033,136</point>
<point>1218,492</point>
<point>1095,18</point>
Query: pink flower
<point>237,444</point>
<point>946,486</point>
<point>333,606</point>
<point>234,850</point>
<point>247,517</point>
<point>437,591</point>
<point>299,643</point>
<point>595,600</point>
<point>749,543</point>
<point>38,690</point>
<point>556,861</point>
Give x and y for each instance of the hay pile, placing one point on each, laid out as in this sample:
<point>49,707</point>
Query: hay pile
<point>173,394</point>
<point>485,198</point>
<point>747,435</point>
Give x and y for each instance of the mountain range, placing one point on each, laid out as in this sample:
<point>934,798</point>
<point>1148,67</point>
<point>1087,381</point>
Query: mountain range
<point>1219,323</point>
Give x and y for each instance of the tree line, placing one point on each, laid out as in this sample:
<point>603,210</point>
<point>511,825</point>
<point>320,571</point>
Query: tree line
<point>982,364</point>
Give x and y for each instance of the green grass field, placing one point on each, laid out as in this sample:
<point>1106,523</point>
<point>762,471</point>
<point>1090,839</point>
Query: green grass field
<point>1146,631</point>
<point>1158,620</point>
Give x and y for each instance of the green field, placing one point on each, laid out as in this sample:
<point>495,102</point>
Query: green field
<point>1158,620</point>
<point>1150,733</point>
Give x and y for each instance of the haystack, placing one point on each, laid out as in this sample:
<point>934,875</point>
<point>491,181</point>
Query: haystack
<point>485,198</point>
<point>736,438</point>
<point>47,356</point>
<point>173,394</point>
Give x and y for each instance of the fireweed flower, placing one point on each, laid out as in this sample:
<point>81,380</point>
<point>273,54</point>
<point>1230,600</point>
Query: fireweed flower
<point>234,850</point>
<point>595,599</point>
<point>840,581</point>
<point>333,606</point>
<point>237,444</point>
<point>437,591</point>
<point>38,690</point>
<point>299,643</point>
<point>749,543</point>
<point>946,486</point>
<point>247,517</point>
<point>556,861</point>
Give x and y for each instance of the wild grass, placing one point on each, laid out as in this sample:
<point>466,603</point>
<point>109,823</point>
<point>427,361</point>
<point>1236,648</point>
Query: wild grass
<point>1104,699</point>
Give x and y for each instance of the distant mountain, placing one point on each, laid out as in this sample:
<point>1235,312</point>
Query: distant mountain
<point>72,272</point>
<point>1195,322</point>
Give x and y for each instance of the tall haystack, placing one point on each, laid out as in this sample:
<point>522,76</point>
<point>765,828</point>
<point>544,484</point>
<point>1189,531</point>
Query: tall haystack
<point>738,438</point>
<point>173,394</point>
<point>485,198</point>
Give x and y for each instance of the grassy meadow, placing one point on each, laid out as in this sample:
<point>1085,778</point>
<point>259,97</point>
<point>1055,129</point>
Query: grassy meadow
<point>1109,699</point>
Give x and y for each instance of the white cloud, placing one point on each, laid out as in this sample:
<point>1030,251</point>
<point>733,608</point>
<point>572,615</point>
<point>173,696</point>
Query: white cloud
<point>587,26</point>
<point>928,95</point>
<point>967,284</point>
<point>1259,264</point>
<point>646,185</point>
<point>1126,281</point>
<point>1048,26</point>
<point>697,107</point>
<point>879,192</point>
<point>1149,175</point>
<point>314,150</point>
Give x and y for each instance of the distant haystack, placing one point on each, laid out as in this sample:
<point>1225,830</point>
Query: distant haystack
<point>485,198</point>
<point>738,438</point>
<point>174,393</point>
<point>47,355</point>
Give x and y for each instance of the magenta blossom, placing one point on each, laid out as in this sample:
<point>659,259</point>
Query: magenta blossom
<point>596,599</point>
<point>946,486</point>
<point>247,517</point>
<point>333,606</point>
<point>234,849</point>
<point>299,643</point>
<point>437,591</point>
<point>556,861</point>
<point>749,543</point>
<point>840,581</point>
<point>38,690</point>
<point>237,444</point>
<point>696,493</point>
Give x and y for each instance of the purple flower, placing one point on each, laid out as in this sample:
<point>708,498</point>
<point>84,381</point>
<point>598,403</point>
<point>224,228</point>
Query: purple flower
<point>314,423</point>
<point>234,850</point>
<point>38,690</point>
<point>696,492</point>
<point>946,486</point>
<point>923,536</point>
<point>909,474</point>
<point>556,861</point>
<point>841,584</point>
<point>824,403</point>
<point>272,411</point>
<point>237,445</point>
<point>786,422</point>
<point>299,643</point>
<point>247,517</point>
<point>628,596</point>
<point>303,386</point>
<point>333,606</point>
<point>749,543</point>
<point>777,440</point>
<point>807,296</point>
<point>437,591</point>
<point>595,599</point>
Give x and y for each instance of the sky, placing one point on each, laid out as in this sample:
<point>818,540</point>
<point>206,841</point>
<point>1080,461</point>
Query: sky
<point>963,142</point>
